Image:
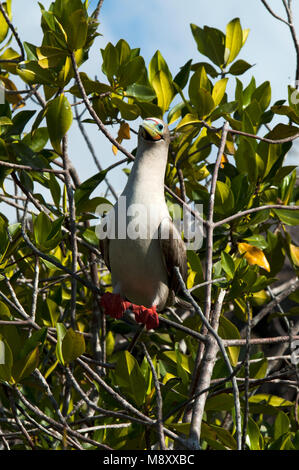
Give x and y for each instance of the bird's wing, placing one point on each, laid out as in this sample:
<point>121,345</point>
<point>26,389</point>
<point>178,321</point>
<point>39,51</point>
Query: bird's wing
<point>173,252</point>
<point>104,249</point>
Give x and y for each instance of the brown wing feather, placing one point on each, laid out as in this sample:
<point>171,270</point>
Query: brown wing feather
<point>173,252</point>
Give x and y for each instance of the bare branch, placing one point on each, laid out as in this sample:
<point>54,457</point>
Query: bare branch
<point>159,400</point>
<point>273,13</point>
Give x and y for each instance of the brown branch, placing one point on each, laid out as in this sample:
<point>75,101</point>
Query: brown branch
<point>272,340</point>
<point>14,32</point>
<point>73,229</point>
<point>159,400</point>
<point>96,12</point>
<point>273,13</point>
<point>16,166</point>
<point>252,211</point>
<point>209,262</point>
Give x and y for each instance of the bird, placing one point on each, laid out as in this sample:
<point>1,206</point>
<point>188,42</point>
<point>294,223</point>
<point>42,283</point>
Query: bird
<point>142,258</point>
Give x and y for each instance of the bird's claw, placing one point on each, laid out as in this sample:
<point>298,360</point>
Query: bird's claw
<point>115,306</point>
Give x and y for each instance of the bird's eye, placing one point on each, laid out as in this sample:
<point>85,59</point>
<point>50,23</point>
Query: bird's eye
<point>160,127</point>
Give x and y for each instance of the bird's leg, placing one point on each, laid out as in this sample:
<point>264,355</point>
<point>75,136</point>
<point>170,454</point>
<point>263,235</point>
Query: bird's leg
<point>147,316</point>
<point>115,306</point>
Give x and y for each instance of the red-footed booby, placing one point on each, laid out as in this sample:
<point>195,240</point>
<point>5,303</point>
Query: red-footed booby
<point>142,259</point>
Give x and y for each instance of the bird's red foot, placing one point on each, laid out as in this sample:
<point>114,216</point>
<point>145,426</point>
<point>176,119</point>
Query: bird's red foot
<point>147,316</point>
<point>114,305</point>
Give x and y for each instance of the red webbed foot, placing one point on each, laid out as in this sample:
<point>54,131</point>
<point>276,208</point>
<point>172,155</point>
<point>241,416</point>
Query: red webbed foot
<point>114,305</point>
<point>147,316</point>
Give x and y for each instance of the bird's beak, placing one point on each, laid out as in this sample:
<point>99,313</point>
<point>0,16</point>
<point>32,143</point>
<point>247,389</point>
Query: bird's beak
<point>149,130</point>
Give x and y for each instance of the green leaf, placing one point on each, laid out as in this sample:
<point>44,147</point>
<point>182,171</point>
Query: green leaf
<point>76,29</point>
<point>32,73</point>
<point>262,95</point>
<point>224,198</point>
<point>85,189</point>
<point>272,400</point>
<point>55,190</point>
<point>72,346</point>
<point>141,92</point>
<point>36,339</point>
<point>203,101</point>
<point>4,28</point>
<point>129,377</point>
<point>41,228</point>
<point>25,366</point>
<point>257,240</point>
<point>59,118</point>
<point>110,343</point>
<point>210,42</point>
<point>227,330</point>
<point>227,264</point>
<point>131,71</point>
<point>38,140</point>
<point>254,435</point>
<point>219,90</point>
<point>49,56</point>
<point>128,111</point>
<point>281,424</point>
<point>281,131</point>
<point>286,111</point>
<point>19,122</point>
<point>182,76</point>
<point>161,80</point>
<point>233,40</point>
<point>288,217</point>
<point>239,67</point>
<point>4,311</point>
<point>110,61</point>
<point>61,331</point>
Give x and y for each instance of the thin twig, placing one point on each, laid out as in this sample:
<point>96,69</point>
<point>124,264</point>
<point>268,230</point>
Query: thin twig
<point>159,400</point>
<point>273,13</point>
<point>92,151</point>
<point>209,254</point>
<point>247,377</point>
<point>73,229</point>
<point>14,32</point>
<point>252,211</point>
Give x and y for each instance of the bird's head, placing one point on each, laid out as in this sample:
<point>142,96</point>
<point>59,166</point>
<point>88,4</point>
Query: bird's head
<point>154,130</point>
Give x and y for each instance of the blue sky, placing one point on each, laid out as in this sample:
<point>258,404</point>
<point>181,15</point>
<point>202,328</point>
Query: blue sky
<point>165,25</point>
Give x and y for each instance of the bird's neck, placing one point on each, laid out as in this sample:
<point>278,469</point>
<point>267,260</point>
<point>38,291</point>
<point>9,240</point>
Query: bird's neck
<point>148,171</point>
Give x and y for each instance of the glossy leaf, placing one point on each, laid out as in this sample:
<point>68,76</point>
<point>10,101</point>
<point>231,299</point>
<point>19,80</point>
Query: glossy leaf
<point>288,217</point>
<point>59,118</point>
<point>32,73</point>
<point>161,80</point>
<point>72,346</point>
<point>219,90</point>
<point>239,67</point>
<point>129,377</point>
<point>76,29</point>
<point>233,40</point>
<point>227,264</point>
